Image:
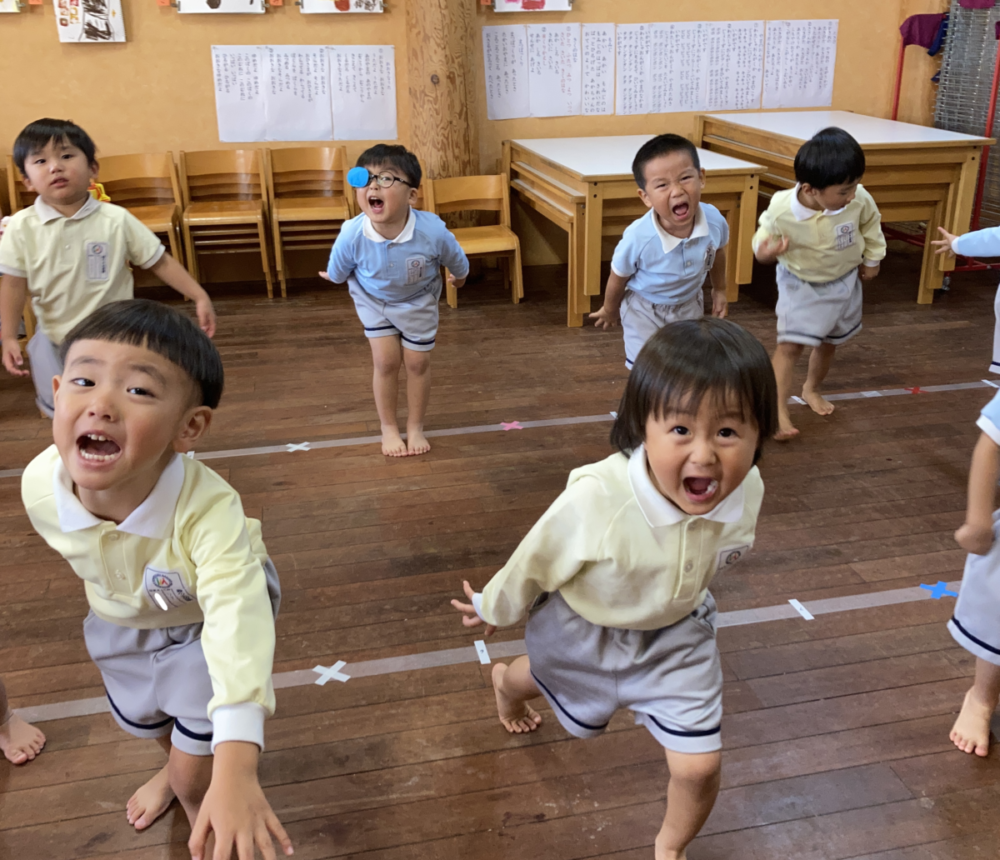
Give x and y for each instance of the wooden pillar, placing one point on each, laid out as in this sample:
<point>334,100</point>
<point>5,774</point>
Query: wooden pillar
<point>440,56</point>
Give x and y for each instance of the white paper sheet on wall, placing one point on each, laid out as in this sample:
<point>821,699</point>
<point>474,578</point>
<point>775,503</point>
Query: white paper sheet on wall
<point>9,6</point>
<point>239,93</point>
<point>505,55</point>
<point>554,70</point>
<point>363,84</point>
<point>598,86</point>
<point>297,93</point>
<point>89,21</point>
<point>333,7</point>
<point>532,5</point>
<point>735,65</point>
<point>800,57</point>
<point>220,7</point>
<point>678,66</point>
<point>632,81</point>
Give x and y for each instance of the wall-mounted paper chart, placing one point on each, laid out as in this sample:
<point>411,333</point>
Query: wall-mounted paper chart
<point>735,65</point>
<point>554,69</point>
<point>363,83</point>
<point>799,64</point>
<point>505,55</point>
<point>678,66</point>
<point>532,5</point>
<point>632,80</point>
<point>239,93</point>
<point>297,93</point>
<point>598,89</point>
<point>328,7</point>
<point>220,7</point>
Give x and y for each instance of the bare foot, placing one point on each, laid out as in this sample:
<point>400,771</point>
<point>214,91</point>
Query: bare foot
<point>20,741</point>
<point>786,430</point>
<point>517,719</point>
<point>971,732</point>
<point>150,801</point>
<point>392,443</point>
<point>820,405</point>
<point>416,442</point>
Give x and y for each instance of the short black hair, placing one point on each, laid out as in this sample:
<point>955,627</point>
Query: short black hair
<point>162,329</point>
<point>393,155</point>
<point>36,136</point>
<point>687,360</point>
<point>662,144</point>
<point>830,157</point>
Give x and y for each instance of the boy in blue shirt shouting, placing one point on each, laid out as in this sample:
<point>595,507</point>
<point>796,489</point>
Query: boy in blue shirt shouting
<point>660,265</point>
<point>390,256</point>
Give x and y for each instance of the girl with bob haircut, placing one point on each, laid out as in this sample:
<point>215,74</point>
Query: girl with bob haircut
<point>616,572</point>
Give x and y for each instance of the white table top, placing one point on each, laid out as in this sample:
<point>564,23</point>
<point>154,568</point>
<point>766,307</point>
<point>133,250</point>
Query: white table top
<point>592,157</point>
<point>867,130</point>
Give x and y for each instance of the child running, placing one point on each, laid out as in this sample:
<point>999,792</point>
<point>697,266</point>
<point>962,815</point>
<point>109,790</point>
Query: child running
<point>182,593</point>
<point>661,263</point>
<point>70,253</point>
<point>977,610</point>
<point>616,572</point>
<point>390,257</point>
<point>826,236</point>
<point>979,243</point>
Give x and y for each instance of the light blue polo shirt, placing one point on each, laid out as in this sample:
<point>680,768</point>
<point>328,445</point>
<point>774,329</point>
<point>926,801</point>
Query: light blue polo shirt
<point>395,270</point>
<point>989,419</point>
<point>664,269</point>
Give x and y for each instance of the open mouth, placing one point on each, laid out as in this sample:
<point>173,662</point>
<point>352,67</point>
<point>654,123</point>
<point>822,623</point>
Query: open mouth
<point>96,448</point>
<point>58,183</point>
<point>681,211</point>
<point>700,490</point>
<point>377,204</point>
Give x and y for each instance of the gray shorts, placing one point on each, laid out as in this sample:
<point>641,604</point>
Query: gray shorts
<point>812,314</point>
<point>45,363</point>
<point>976,622</point>
<point>641,319</point>
<point>157,680</point>
<point>415,321</point>
<point>671,678</point>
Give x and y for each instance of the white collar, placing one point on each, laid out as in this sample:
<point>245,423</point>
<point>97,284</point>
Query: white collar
<point>659,511</point>
<point>47,213</point>
<point>405,236</point>
<point>803,213</point>
<point>152,519</point>
<point>670,242</point>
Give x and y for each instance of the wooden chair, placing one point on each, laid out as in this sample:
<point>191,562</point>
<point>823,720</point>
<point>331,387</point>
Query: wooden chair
<point>310,199</point>
<point>20,197</point>
<point>482,193</point>
<point>148,187</point>
<point>225,203</point>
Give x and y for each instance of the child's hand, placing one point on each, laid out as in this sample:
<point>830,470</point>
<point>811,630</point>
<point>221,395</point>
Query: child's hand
<point>206,315</point>
<point>943,246</point>
<point>457,283</point>
<point>868,273</point>
<point>720,304</point>
<point>471,617</point>
<point>976,538</point>
<point>236,810</point>
<point>325,277</point>
<point>605,319</point>
<point>13,360</point>
<point>771,248</point>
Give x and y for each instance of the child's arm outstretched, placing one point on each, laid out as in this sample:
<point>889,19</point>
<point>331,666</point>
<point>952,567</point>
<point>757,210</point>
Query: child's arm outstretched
<point>609,314</point>
<point>13,293</point>
<point>173,274</point>
<point>979,243</point>
<point>976,533</point>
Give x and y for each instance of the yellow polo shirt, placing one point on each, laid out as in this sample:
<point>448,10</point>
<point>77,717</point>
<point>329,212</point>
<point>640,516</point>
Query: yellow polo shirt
<point>187,554</point>
<point>75,265</point>
<point>619,553</point>
<point>824,246</point>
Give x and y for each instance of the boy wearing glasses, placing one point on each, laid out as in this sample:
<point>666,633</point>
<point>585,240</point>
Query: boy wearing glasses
<point>390,256</point>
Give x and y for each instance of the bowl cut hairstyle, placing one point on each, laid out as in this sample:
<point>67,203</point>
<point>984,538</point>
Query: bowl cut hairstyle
<point>36,136</point>
<point>393,155</point>
<point>663,144</point>
<point>831,157</point>
<point>688,360</point>
<point>161,329</point>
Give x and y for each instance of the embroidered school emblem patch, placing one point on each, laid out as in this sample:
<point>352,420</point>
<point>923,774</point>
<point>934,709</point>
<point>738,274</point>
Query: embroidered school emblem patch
<point>730,556</point>
<point>710,257</point>
<point>414,270</point>
<point>97,261</point>
<point>166,589</point>
<point>845,236</point>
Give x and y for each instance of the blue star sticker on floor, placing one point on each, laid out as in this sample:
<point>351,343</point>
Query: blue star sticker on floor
<point>940,590</point>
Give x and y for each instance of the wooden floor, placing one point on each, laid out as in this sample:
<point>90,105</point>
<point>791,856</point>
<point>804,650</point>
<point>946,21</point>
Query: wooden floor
<point>836,730</point>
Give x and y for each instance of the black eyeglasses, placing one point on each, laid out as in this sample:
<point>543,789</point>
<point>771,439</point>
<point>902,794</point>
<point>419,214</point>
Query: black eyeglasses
<point>359,177</point>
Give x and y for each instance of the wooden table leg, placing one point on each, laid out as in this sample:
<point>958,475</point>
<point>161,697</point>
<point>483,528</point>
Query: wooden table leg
<point>747,227</point>
<point>593,216</point>
<point>577,303</point>
<point>931,276</point>
<point>732,255</point>
<point>961,199</point>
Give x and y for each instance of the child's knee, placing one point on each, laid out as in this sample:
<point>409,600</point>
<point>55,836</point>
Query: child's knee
<point>790,350</point>
<point>386,362</point>
<point>695,769</point>
<point>190,777</point>
<point>417,363</point>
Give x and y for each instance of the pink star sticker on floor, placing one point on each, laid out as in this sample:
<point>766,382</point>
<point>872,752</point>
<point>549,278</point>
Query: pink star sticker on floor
<point>915,390</point>
<point>513,425</point>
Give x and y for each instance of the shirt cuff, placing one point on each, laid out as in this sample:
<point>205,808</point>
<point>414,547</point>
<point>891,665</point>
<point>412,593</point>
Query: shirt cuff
<point>10,270</point>
<point>621,274</point>
<point>871,264</point>
<point>989,428</point>
<point>152,261</point>
<point>242,722</point>
<point>954,245</point>
<point>477,603</point>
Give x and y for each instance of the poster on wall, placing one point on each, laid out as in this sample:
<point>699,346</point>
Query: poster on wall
<point>326,7</point>
<point>505,55</point>
<point>10,6</point>
<point>239,93</point>
<point>532,5</point>
<point>363,85</point>
<point>799,64</point>
<point>89,21</point>
<point>296,88</point>
<point>554,69</point>
<point>239,7</point>
<point>598,96</point>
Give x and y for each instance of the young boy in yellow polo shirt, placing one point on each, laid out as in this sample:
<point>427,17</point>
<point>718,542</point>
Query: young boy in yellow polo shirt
<point>826,236</point>
<point>71,253</point>
<point>182,594</point>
